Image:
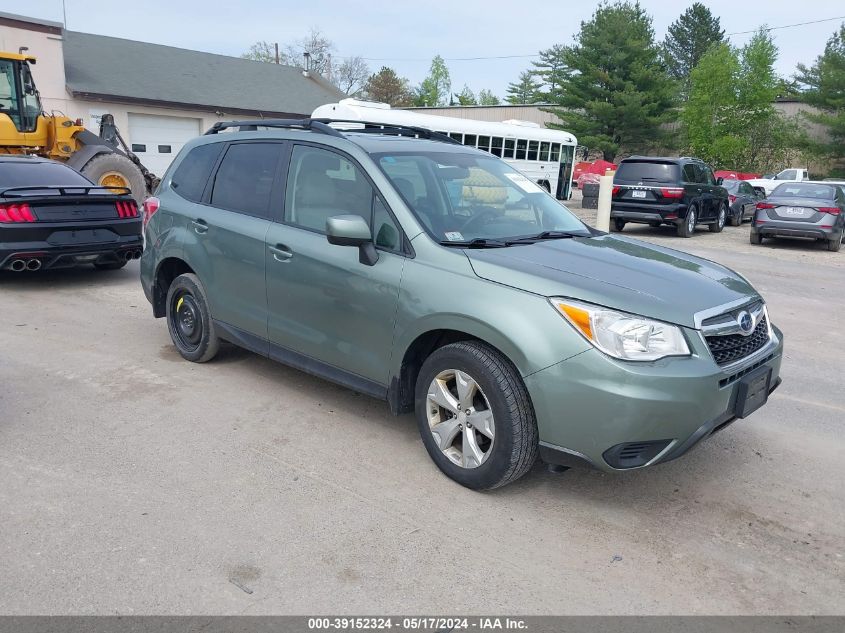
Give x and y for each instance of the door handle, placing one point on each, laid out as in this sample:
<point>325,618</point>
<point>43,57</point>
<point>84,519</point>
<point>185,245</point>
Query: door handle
<point>200,226</point>
<point>281,253</point>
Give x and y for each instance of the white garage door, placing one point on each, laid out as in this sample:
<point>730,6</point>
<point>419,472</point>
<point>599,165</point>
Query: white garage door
<point>157,139</point>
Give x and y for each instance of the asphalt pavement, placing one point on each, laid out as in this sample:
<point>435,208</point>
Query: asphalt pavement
<point>133,482</point>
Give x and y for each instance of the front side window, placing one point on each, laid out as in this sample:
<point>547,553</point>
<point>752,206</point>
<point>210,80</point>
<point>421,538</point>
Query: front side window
<point>462,197</point>
<point>544,151</point>
<point>555,155</point>
<point>244,180</point>
<point>322,184</point>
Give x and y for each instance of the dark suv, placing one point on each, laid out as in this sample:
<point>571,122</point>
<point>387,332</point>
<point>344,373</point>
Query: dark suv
<point>679,191</point>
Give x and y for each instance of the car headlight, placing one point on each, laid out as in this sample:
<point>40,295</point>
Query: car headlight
<point>622,335</point>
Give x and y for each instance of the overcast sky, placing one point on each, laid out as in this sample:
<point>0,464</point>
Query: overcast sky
<point>406,35</point>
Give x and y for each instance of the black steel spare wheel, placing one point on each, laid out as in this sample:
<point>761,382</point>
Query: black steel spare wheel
<point>187,320</point>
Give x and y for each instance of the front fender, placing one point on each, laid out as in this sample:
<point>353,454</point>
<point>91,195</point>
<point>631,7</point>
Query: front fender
<point>520,324</point>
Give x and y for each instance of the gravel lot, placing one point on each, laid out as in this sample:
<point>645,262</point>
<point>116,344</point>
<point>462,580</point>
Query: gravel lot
<point>134,482</point>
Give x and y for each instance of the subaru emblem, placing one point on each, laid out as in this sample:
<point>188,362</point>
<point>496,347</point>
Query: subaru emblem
<point>745,322</point>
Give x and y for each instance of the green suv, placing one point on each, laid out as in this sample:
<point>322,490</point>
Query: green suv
<point>436,277</point>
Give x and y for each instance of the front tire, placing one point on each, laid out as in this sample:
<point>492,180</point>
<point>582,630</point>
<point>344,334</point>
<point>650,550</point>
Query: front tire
<point>475,416</point>
<point>189,320</point>
<point>118,171</point>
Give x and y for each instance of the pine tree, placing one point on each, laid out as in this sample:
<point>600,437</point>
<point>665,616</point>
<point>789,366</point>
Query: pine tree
<point>550,70</point>
<point>388,87</point>
<point>487,98</point>
<point>824,88</point>
<point>524,91</point>
<point>466,96</point>
<point>689,37</point>
<point>614,92</point>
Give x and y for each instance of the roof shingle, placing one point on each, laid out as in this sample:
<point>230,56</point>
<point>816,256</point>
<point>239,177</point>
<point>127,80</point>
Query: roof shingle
<point>97,65</point>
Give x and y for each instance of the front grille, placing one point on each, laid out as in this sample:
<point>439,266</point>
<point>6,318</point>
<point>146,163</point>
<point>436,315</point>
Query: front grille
<point>733,347</point>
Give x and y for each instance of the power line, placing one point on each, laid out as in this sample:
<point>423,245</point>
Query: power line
<point>492,57</point>
<point>788,26</point>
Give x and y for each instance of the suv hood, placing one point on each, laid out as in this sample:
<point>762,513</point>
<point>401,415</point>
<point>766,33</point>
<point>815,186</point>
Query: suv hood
<point>616,272</point>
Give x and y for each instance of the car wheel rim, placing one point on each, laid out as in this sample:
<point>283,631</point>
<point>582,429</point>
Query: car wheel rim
<point>691,220</point>
<point>460,418</point>
<point>722,216</point>
<point>187,320</point>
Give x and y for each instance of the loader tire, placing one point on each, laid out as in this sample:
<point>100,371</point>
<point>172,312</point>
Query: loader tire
<point>117,171</point>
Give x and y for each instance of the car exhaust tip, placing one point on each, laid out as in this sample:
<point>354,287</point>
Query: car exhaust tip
<point>33,264</point>
<point>18,265</point>
<point>127,255</point>
<point>136,254</point>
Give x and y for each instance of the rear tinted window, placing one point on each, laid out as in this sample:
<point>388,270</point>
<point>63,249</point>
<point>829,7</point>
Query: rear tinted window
<point>731,185</point>
<point>244,179</point>
<point>191,176</point>
<point>800,190</point>
<point>33,174</point>
<point>647,171</point>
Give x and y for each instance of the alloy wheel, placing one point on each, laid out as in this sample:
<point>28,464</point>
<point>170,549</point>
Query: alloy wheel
<point>691,221</point>
<point>723,215</point>
<point>460,418</point>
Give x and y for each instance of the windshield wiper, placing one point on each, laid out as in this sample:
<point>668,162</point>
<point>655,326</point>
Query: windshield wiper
<point>478,242</point>
<point>547,235</point>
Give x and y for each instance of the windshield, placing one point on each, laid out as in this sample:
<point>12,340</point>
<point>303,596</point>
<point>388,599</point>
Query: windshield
<point>800,190</point>
<point>461,197</point>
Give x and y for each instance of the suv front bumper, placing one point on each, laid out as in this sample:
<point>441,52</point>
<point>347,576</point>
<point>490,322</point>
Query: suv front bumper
<point>618,415</point>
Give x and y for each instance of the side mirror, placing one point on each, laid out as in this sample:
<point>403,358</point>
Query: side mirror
<point>352,230</point>
<point>719,180</point>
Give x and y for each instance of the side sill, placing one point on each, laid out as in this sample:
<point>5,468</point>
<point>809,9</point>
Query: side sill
<point>301,362</point>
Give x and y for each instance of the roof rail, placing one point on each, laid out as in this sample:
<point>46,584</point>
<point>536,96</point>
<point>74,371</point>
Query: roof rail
<point>374,127</point>
<point>298,124</point>
<point>322,126</point>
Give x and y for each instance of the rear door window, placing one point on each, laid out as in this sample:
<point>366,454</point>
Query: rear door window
<point>647,172</point>
<point>192,174</point>
<point>689,173</point>
<point>244,180</point>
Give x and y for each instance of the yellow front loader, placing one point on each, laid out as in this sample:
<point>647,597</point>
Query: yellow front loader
<point>25,128</point>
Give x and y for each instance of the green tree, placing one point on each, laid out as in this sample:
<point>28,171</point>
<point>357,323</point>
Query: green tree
<point>525,90</point>
<point>436,88</point>
<point>388,87</point>
<point>487,98</point>
<point>614,91</point>
<point>730,119</point>
<point>466,97</point>
<point>688,38</point>
<point>824,88</point>
<point>551,70</point>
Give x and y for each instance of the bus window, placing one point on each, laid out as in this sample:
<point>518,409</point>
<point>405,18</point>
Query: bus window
<point>521,144</point>
<point>469,139</point>
<point>555,155</point>
<point>457,136</point>
<point>544,151</point>
<point>532,150</point>
<point>496,147</point>
<point>509,143</point>
<point>484,143</point>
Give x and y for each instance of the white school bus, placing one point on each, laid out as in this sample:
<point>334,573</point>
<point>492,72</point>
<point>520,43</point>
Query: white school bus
<point>541,154</point>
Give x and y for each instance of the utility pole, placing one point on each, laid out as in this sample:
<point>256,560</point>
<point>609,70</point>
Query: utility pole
<point>277,52</point>
<point>64,15</point>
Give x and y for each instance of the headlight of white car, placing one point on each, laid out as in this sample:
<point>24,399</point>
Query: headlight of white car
<point>622,335</point>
